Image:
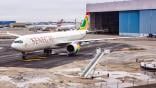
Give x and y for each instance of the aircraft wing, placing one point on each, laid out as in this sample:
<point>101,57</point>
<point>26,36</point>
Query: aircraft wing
<point>93,40</point>
<point>90,40</point>
<point>12,34</point>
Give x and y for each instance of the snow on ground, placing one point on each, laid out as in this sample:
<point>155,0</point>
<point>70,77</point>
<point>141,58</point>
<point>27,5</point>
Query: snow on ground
<point>122,79</point>
<point>25,82</point>
<point>120,74</point>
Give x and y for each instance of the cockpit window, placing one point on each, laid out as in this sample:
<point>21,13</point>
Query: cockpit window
<point>18,41</point>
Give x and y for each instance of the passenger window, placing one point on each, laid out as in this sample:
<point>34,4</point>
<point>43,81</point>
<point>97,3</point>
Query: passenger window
<point>19,41</point>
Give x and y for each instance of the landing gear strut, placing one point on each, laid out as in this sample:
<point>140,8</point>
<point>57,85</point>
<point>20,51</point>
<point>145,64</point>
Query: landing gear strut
<point>47,52</point>
<point>23,55</point>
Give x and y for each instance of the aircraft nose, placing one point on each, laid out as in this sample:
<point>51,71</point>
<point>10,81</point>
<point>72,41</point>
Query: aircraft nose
<point>16,46</point>
<point>13,46</point>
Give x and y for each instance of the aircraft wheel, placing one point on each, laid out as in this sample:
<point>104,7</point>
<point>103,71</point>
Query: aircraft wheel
<point>47,52</point>
<point>23,55</point>
<point>71,54</point>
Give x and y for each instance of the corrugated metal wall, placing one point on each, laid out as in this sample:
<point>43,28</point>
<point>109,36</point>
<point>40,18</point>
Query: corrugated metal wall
<point>92,21</point>
<point>123,22</point>
<point>6,22</point>
<point>148,21</point>
<point>129,22</point>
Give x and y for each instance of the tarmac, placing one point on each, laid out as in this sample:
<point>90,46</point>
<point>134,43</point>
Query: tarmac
<point>60,71</point>
<point>12,58</point>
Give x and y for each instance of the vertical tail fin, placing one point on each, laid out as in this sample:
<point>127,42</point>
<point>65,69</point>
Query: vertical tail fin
<point>85,23</point>
<point>60,23</point>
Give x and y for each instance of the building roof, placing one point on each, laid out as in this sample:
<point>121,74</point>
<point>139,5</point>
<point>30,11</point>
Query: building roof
<point>121,6</point>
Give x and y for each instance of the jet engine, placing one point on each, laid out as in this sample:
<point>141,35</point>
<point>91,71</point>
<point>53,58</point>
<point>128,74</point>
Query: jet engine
<point>73,48</point>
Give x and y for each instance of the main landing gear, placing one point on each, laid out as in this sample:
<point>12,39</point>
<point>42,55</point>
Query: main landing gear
<point>47,52</point>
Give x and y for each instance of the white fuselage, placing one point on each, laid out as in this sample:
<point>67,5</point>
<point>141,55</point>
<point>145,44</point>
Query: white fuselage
<point>33,42</point>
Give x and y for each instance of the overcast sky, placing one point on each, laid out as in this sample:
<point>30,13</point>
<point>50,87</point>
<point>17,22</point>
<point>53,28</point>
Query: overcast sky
<point>44,10</point>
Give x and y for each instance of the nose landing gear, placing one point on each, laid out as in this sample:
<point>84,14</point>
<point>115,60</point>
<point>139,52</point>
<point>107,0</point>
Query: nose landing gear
<point>23,55</point>
<point>47,52</point>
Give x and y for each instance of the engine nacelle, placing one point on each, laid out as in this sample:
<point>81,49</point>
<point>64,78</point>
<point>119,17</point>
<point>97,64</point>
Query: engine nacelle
<point>73,48</point>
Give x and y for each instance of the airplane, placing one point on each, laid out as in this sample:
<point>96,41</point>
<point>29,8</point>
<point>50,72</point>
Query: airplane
<point>59,26</point>
<point>41,27</point>
<point>47,41</point>
<point>64,27</point>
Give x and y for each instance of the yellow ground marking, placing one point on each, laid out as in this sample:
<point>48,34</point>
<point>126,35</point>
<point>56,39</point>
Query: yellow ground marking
<point>35,58</point>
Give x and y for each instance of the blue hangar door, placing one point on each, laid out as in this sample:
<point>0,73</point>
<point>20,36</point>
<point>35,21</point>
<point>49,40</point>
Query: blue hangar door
<point>129,23</point>
<point>148,21</point>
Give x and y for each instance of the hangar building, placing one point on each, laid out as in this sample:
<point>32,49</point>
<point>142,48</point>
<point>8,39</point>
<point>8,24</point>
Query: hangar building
<point>6,23</point>
<point>131,17</point>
